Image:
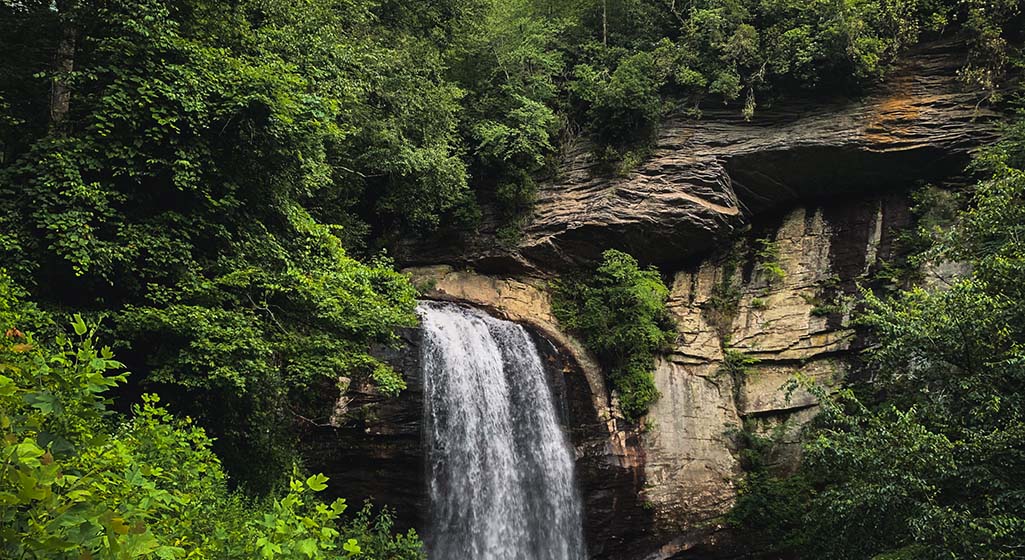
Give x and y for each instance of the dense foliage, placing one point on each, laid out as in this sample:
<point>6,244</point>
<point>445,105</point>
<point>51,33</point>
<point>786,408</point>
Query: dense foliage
<point>629,61</point>
<point>218,181</point>
<point>613,68</point>
<point>394,118</point>
<point>620,311</point>
<point>924,461</point>
<point>180,193</point>
<point>78,481</point>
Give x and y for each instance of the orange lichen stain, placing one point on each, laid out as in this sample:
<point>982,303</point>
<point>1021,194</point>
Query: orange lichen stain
<point>894,118</point>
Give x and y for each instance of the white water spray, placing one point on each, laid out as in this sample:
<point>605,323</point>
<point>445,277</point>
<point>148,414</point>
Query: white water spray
<point>500,468</point>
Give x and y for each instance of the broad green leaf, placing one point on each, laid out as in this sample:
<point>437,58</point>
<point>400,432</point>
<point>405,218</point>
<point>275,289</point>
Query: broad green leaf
<point>79,325</point>
<point>317,482</point>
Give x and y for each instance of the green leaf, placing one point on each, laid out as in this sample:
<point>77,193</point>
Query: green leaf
<point>7,386</point>
<point>339,506</point>
<point>308,547</point>
<point>352,547</point>
<point>46,403</point>
<point>317,482</point>
<point>79,325</point>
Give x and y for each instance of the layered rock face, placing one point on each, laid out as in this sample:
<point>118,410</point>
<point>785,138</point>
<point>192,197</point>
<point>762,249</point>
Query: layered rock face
<point>780,320</point>
<point>681,460</point>
<point>764,229</point>
<point>706,178</point>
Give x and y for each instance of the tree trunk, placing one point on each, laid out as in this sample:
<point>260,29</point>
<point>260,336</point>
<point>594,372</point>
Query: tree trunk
<point>64,64</point>
<point>605,22</point>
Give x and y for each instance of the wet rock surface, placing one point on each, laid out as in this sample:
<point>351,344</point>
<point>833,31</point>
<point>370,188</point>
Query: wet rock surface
<point>371,447</point>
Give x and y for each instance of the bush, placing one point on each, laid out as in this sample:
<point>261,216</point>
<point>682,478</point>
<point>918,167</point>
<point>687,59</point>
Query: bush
<point>620,312</point>
<point>736,363</point>
<point>624,106</point>
<point>79,481</point>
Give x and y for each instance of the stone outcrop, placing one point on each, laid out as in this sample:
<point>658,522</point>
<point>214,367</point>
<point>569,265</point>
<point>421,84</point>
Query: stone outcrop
<point>680,462</point>
<point>658,488</point>
<point>786,324</point>
<point>707,177</point>
<point>820,182</point>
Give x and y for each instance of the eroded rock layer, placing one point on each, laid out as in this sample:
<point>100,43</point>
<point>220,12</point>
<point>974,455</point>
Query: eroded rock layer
<point>706,178</point>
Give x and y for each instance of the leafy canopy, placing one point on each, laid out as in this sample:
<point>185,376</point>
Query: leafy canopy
<point>194,193</point>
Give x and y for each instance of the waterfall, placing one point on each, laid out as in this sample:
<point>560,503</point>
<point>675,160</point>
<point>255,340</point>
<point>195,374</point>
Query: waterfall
<point>500,472</point>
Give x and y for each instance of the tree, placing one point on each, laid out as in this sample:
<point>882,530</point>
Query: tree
<point>925,460</point>
<point>620,312</point>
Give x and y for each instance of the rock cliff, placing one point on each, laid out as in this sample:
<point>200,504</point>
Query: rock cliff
<point>681,460</point>
<point>822,182</point>
<point>707,178</point>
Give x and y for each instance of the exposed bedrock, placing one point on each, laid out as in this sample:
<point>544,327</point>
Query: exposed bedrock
<point>823,180</point>
<point>707,177</point>
<point>680,460</point>
<point>797,323</point>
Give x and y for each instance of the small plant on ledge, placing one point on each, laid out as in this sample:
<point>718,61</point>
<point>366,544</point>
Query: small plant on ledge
<point>767,255</point>
<point>735,362</point>
<point>724,303</point>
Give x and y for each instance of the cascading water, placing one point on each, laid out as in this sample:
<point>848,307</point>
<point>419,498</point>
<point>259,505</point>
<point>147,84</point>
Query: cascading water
<point>500,468</point>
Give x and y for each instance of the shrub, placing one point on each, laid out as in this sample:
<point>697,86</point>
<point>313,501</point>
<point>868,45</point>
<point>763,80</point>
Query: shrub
<point>79,481</point>
<point>620,312</point>
<point>735,362</point>
<point>724,303</point>
<point>624,105</point>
